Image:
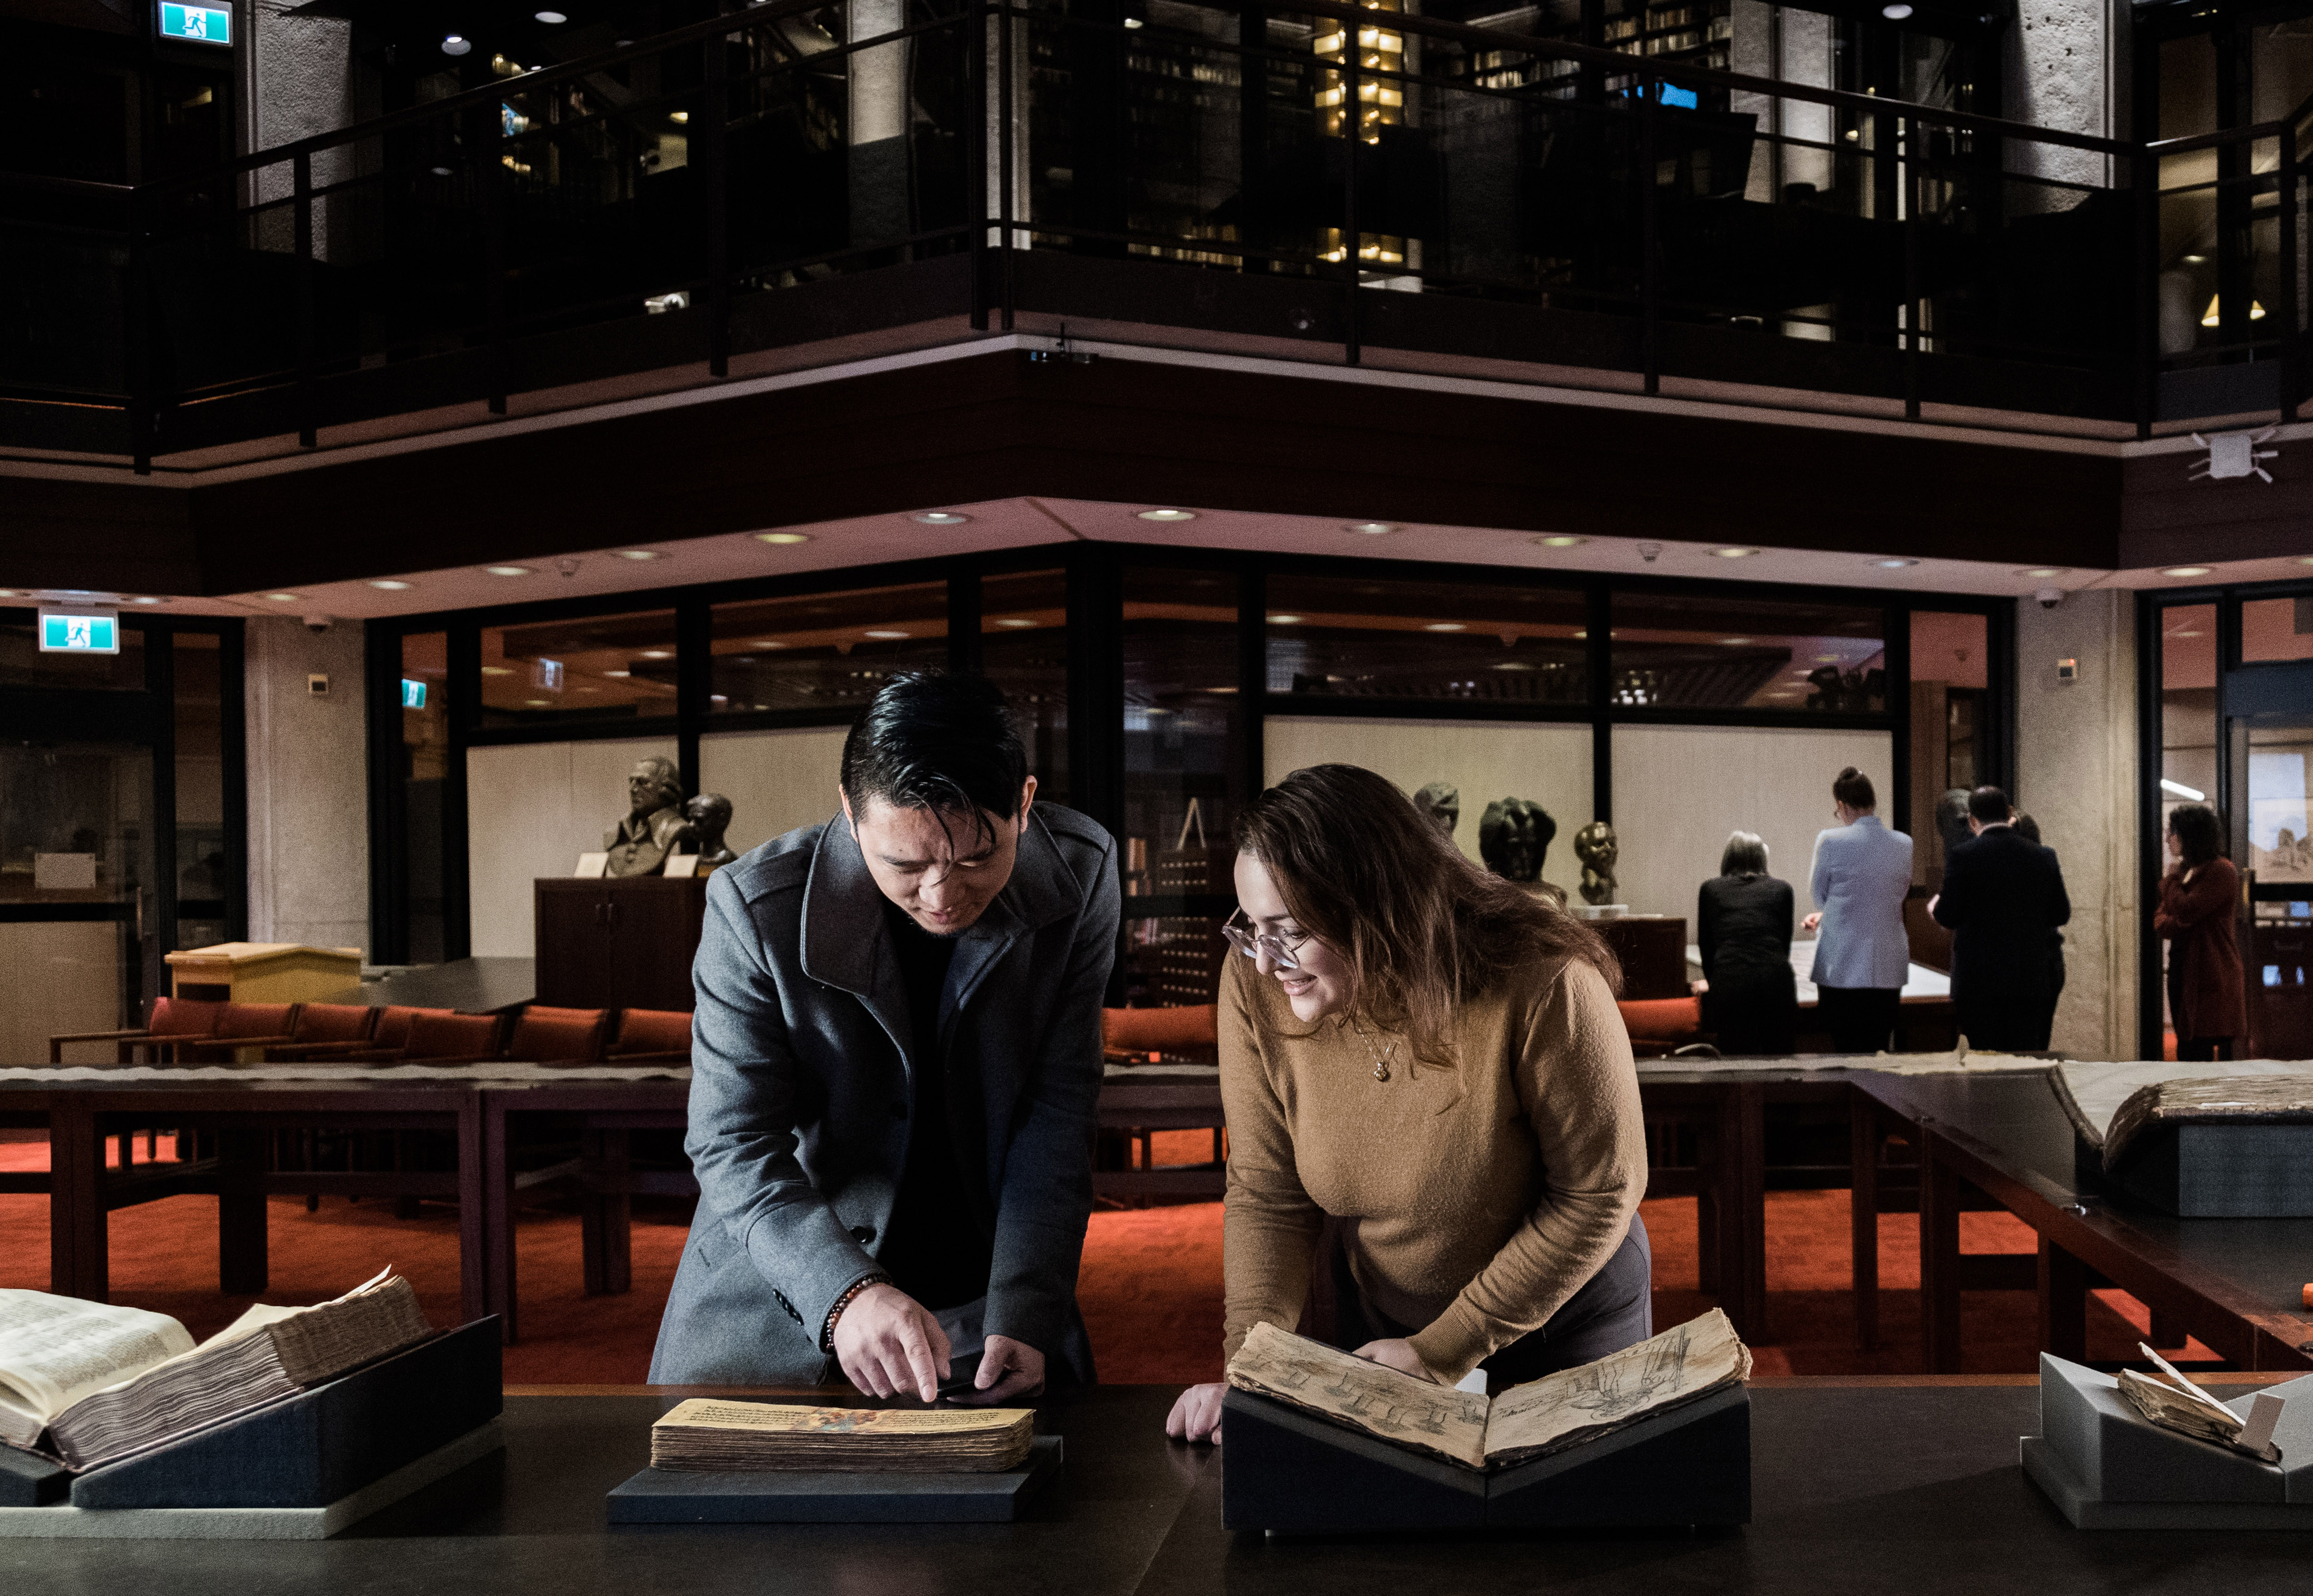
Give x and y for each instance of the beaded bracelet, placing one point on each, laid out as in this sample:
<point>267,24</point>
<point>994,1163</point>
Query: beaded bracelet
<point>827,1330</point>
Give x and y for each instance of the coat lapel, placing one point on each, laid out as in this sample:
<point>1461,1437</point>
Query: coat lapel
<point>1041,889</point>
<point>845,942</point>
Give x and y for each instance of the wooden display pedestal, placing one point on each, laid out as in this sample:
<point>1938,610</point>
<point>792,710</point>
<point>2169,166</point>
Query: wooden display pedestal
<point>618,941</point>
<point>1289,1473</point>
<point>263,972</point>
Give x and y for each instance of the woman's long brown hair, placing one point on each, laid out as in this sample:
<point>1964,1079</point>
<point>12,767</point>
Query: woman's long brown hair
<point>1421,927</point>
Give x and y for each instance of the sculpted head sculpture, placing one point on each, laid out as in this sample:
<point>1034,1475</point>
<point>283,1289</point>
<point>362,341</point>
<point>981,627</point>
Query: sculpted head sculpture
<point>710,815</point>
<point>653,785</point>
<point>1441,803</point>
<point>654,825</point>
<point>1951,819</point>
<point>1513,838</point>
<point>1595,846</point>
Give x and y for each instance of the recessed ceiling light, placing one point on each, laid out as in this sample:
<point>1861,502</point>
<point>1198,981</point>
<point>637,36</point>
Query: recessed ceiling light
<point>540,703</point>
<point>886,637</point>
<point>455,46</point>
<point>1734,642</point>
<point>783,538</point>
<point>507,570</point>
<point>393,587</point>
<point>1733,554</point>
<point>1896,12</point>
<point>1445,625</point>
<point>147,598</point>
<point>10,593</point>
<point>940,518</point>
<point>1284,620</point>
<point>2036,572</point>
<point>658,654</point>
<point>497,671</point>
<point>769,643</point>
<point>1512,665</point>
<point>283,598</point>
<point>636,554</point>
<point>1014,622</point>
<point>678,116</point>
<point>1559,541</point>
<point>2305,559</point>
<point>552,19</point>
<point>1168,515</point>
<point>2184,634</point>
<point>1371,529</point>
<point>2194,260</point>
<point>1826,659</point>
<point>622,675</point>
<point>2187,570</point>
<point>1893,565</point>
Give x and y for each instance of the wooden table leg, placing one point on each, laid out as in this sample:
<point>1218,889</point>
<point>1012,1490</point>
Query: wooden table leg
<point>2063,1302</point>
<point>499,1215</point>
<point>473,1210</point>
<point>606,1217</point>
<point>78,1230</point>
<point>243,1265</point>
<point>1863,1139</point>
<point>1743,1209</point>
<point>1939,1259</point>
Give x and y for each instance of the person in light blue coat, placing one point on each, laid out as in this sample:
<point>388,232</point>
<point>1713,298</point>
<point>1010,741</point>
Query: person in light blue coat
<point>1863,874</point>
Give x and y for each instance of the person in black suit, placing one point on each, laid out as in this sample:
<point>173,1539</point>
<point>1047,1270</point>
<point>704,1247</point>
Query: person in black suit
<point>2002,897</point>
<point>1743,920</point>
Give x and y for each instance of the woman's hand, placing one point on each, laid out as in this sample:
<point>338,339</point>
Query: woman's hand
<point>1811,922</point>
<point>1399,1355</point>
<point>1698,987</point>
<point>1196,1414</point>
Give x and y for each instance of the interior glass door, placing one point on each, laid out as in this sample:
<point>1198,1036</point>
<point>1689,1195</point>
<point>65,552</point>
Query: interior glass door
<point>2275,763</point>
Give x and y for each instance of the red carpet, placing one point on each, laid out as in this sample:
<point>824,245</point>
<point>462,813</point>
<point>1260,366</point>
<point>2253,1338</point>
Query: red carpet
<point>1150,1286</point>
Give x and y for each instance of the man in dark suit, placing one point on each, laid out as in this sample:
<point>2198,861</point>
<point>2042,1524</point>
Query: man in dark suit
<point>2003,896</point>
<point>896,1059</point>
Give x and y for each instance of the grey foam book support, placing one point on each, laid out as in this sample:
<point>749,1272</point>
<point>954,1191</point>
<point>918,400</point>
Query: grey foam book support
<point>700,1497</point>
<point>2107,1467</point>
<point>2220,1170</point>
<point>1289,1472</point>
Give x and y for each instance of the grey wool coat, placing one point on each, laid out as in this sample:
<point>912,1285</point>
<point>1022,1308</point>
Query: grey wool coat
<point>802,1096</point>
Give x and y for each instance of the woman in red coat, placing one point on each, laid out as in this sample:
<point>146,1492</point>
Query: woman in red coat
<point>2198,897</point>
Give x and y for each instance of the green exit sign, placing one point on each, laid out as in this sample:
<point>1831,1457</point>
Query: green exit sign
<point>79,631</point>
<point>199,24</point>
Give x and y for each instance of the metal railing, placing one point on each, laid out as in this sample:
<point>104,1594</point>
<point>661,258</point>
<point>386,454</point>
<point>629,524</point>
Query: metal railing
<point>1358,175</point>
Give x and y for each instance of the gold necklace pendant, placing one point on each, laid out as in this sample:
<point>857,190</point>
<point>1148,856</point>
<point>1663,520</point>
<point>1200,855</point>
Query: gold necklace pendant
<point>1380,1055</point>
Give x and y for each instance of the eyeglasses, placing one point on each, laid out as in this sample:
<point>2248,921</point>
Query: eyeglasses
<point>1253,943</point>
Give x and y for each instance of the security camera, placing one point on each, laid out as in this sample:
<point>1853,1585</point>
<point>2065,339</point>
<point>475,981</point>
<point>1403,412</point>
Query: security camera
<point>2049,597</point>
<point>318,624</point>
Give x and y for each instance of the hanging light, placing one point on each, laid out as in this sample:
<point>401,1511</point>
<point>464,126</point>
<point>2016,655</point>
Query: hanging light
<point>2209,317</point>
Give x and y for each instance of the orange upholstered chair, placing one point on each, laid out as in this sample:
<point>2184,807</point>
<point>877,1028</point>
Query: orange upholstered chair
<point>651,1036</point>
<point>345,1029</point>
<point>245,1025</point>
<point>438,1038</point>
<point>173,1019</point>
<point>1662,1025</point>
<point>548,1035</point>
<point>1160,1030</point>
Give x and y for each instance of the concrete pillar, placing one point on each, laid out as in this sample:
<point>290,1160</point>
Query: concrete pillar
<point>308,785</point>
<point>881,111</point>
<point>2077,776</point>
<point>2061,73</point>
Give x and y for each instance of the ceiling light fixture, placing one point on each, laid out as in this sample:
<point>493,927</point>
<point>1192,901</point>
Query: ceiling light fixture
<point>1168,515</point>
<point>2211,316</point>
<point>283,598</point>
<point>783,539</point>
<point>1559,541</point>
<point>507,570</point>
<point>2187,570</point>
<point>1284,620</point>
<point>552,19</point>
<point>2305,559</point>
<point>2038,572</point>
<point>636,554</point>
<point>1733,554</point>
<point>1893,565</point>
<point>538,703</point>
<point>497,671</point>
<point>940,518</point>
<point>658,654</point>
<point>455,46</point>
<point>2178,789</point>
<point>1014,622</point>
<point>393,587</point>
<point>1445,625</point>
<point>147,599</point>
<point>1371,529</point>
<point>621,675</point>
<point>678,116</point>
<point>1896,12</point>
<point>886,637</point>
<point>1733,642</point>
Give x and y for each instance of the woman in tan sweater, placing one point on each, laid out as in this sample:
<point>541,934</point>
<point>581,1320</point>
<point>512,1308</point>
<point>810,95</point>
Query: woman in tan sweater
<point>1432,1056</point>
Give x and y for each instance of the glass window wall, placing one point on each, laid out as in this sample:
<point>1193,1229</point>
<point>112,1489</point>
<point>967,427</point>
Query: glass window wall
<point>201,868</point>
<point>1024,649</point>
<point>597,668</point>
<point>2277,630</point>
<point>1369,636</point>
<point>24,665</point>
<point>822,652</point>
<point>425,774</point>
<point>1184,749</point>
<point>1691,652</point>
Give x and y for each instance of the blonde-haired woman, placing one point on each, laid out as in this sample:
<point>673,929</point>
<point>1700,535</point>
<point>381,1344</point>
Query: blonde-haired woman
<point>1432,1056</point>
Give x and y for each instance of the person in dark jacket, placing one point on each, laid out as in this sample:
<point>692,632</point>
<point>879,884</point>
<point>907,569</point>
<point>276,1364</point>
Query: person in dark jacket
<point>2030,830</point>
<point>1743,920</point>
<point>2002,895</point>
<point>2198,899</point>
<point>896,1059</point>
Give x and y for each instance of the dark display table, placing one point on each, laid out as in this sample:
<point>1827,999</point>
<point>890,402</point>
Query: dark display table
<point>1899,1490</point>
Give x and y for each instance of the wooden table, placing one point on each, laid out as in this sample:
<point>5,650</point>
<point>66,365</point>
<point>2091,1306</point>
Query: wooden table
<point>2233,1283</point>
<point>1901,1488</point>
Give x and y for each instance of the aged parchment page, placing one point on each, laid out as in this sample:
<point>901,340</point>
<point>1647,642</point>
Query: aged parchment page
<point>1574,1406</point>
<point>1383,1403</point>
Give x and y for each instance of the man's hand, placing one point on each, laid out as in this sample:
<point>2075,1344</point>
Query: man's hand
<point>1399,1355</point>
<point>1007,1369</point>
<point>1811,922</point>
<point>1196,1414</point>
<point>889,1343</point>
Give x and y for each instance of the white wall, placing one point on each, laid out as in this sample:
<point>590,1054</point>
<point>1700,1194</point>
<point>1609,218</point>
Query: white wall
<point>531,808</point>
<point>308,785</point>
<point>775,780</point>
<point>1487,759</point>
<point>2076,775</point>
<point>61,978</point>
<point>1679,791</point>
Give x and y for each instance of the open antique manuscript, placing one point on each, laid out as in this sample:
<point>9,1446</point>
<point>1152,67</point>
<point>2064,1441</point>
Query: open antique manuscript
<point>1551,1414</point>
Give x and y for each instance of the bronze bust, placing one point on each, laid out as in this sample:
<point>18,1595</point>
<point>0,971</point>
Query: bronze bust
<point>1596,846</point>
<point>1513,838</point>
<point>655,825</point>
<point>710,815</point>
<point>1440,804</point>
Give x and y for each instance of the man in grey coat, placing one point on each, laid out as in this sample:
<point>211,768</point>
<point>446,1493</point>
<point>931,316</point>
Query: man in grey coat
<point>896,1058</point>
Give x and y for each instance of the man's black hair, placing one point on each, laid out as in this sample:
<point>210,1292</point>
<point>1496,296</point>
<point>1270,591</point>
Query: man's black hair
<point>1989,805</point>
<point>936,740</point>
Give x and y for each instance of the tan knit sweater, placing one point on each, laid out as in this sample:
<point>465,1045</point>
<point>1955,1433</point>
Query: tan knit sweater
<point>1481,1198</point>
